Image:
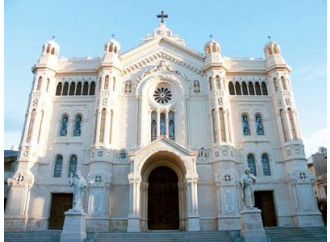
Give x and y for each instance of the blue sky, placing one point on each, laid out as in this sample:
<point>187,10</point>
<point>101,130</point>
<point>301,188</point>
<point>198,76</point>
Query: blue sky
<point>241,27</point>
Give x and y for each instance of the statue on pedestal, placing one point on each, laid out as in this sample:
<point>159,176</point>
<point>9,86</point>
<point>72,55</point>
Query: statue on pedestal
<point>79,186</point>
<point>247,181</point>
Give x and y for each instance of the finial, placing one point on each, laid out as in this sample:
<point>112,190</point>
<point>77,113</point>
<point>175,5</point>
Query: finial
<point>113,36</point>
<point>162,16</point>
<point>53,37</point>
<point>269,37</point>
<point>211,36</point>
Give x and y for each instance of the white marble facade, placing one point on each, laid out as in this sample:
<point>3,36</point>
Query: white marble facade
<point>205,116</point>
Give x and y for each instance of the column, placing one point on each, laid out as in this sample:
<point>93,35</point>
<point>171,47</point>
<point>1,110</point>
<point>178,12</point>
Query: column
<point>225,119</point>
<point>192,204</point>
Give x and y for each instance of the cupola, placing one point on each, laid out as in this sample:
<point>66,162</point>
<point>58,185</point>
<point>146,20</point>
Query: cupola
<point>50,51</point>
<point>111,51</point>
<point>213,53</point>
<point>273,54</point>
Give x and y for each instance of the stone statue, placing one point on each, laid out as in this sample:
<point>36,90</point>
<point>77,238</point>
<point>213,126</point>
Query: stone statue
<point>247,181</point>
<point>79,186</point>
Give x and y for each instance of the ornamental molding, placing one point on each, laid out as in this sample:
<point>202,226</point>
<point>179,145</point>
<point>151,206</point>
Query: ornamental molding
<point>21,179</point>
<point>164,56</point>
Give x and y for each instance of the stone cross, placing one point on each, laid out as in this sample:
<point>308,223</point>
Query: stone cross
<point>20,178</point>
<point>302,175</point>
<point>98,179</point>
<point>162,16</point>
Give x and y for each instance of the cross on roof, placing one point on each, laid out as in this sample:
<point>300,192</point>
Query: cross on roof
<point>211,36</point>
<point>269,37</point>
<point>162,16</point>
<point>53,37</point>
<point>113,36</point>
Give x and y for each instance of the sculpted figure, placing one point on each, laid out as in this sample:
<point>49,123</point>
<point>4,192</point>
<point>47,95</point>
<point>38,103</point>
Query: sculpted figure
<point>79,186</point>
<point>247,181</point>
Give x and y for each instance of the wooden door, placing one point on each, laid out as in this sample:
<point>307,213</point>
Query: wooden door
<point>163,200</point>
<point>61,202</point>
<point>265,202</point>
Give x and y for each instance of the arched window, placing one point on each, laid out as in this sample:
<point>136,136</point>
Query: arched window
<point>171,125</point>
<point>40,126</point>
<point>58,166</point>
<point>264,88</point>
<point>238,88</point>
<point>222,125</point>
<point>284,88</point>
<point>47,87</point>
<point>111,47</point>
<point>217,82</point>
<point>128,86</point>
<point>275,84</point>
<point>214,48</point>
<point>48,49</point>
<point>259,125</point>
<point>106,83</point>
<point>258,90</point>
<point>85,88</point>
<point>100,83</point>
<point>153,126</point>
<point>197,88</point>
<point>251,89</point>
<point>210,83</point>
<point>214,123</point>
<point>115,50</point>
<point>114,84</point>
<point>72,88</point>
<point>39,83</point>
<point>65,89</point>
<point>92,89</point>
<point>77,125</point>
<point>111,122</point>
<point>29,134</point>
<point>102,125</point>
<point>64,125</point>
<point>72,165</point>
<point>292,126</point>
<point>59,89</point>
<point>252,164</point>
<point>53,51</point>
<point>231,88</point>
<point>78,90</point>
<point>246,125</point>
<point>244,89</point>
<point>162,124</point>
<point>265,164</point>
<point>285,132</point>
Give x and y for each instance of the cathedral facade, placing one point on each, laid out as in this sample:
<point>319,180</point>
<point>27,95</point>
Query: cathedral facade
<point>162,135</point>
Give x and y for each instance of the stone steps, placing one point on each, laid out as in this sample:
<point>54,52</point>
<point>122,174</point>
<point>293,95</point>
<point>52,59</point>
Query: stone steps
<point>274,234</point>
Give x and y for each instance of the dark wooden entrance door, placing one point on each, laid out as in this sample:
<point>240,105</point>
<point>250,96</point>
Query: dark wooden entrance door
<point>163,199</point>
<point>264,200</point>
<point>61,202</point>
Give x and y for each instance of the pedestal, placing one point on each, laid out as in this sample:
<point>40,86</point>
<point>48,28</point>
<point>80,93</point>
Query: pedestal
<point>133,223</point>
<point>74,228</point>
<point>252,229</point>
<point>193,224</point>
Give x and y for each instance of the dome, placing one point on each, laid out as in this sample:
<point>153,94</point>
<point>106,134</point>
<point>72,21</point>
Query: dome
<point>112,46</point>
<point>272,48</point>
<point>212,47</point>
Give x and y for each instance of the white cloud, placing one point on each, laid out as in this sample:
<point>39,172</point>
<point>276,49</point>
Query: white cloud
<point>11,138</point>
<point>310,73</point>
<point>315,141</point>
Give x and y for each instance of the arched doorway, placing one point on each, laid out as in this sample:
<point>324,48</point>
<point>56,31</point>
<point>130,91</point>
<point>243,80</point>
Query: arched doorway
<point>163,199</point>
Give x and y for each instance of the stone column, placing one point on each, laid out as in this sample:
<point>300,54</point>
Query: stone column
<point>192,204</point>
<point>134,216</point>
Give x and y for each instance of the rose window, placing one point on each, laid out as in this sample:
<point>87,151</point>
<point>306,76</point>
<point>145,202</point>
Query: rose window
<point>162,95</point>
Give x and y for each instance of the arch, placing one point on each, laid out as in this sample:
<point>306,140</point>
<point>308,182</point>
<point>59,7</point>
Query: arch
<point>252,164</point>
<point>92,89</point>
<point>39,84</point>
<point>153,126</point>
<point>244,89</point>
<point>65,89</point>
<point>106,82</point>
<point>257,88</point>
<point>115,50</point>
<point>259,125</point>
<point>29,133</point>
<point>210,83</point>
<point>64,125</point>
<point>283,81</point>
<point>246,124</point>
<point>59,89</point>
<point>79,88</point>
<point>111,47</point>
<point>48,49</point>
<point>58,166</point>
<point>77,125</point>
<point>238,88</point>
<point>73,165</point>
<point>53,51</point>
<point>102,125</point>
<point>214,47</point>
<point>217,82</point>
<point>231,88</point>
<point>251,89</point>
<point>275,84</point>
<point>264,88</point>
<point>72,88</point>
<point>265,164</point>
<point>85,88</point>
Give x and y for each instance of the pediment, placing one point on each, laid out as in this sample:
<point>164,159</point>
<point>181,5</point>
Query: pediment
<point>161,49</point>
<point>163,144</point>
